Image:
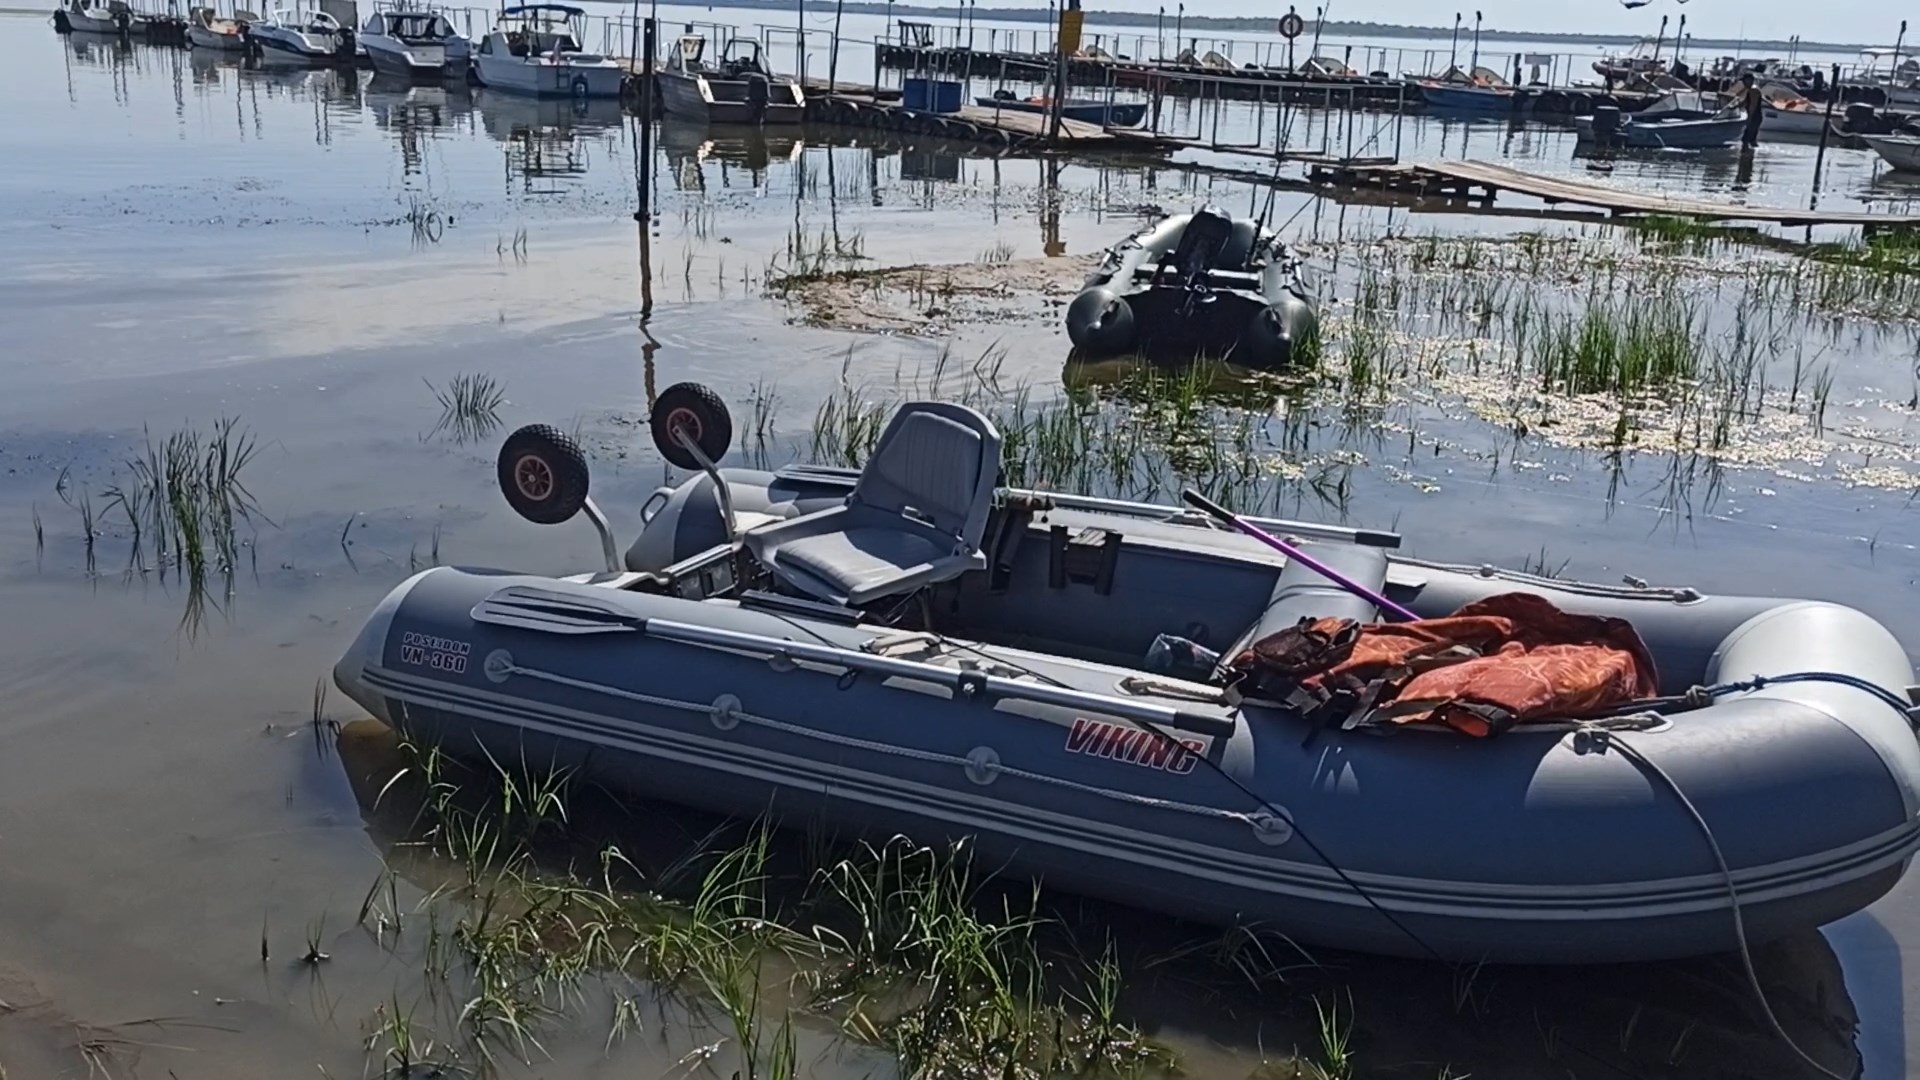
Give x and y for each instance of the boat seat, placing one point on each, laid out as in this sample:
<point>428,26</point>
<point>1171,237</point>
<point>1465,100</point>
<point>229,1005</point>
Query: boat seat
<point>1302,593</point>
<point>916,515</point>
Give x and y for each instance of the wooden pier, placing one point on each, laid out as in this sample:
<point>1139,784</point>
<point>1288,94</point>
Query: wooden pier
<point>1006,129</point>
<point>1481,181</point>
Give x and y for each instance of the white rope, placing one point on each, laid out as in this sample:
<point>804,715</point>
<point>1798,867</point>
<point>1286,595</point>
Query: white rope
<point>930,756</point>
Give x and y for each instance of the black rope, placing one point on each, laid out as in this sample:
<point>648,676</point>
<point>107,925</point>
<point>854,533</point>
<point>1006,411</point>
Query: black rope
<point>1700,697</point>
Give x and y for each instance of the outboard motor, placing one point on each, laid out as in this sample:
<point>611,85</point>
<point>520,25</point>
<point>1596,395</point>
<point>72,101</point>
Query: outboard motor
<point>61,24</point>
<point>759,90</point>
<point>344,53</point>
<point>1201,243</point>
<point>1606,122</point>
<point>1860,116</point>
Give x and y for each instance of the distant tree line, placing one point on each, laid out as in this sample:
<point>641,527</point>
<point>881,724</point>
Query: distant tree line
<point>1245,24</point>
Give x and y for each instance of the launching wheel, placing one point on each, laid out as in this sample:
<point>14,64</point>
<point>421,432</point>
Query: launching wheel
<point>696,411</point>
<point>543,474</point>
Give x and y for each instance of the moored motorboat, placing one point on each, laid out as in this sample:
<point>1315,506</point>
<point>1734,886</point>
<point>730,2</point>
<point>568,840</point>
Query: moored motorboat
<point>207,30</point>
<point>93,17</point>
<point>740,89</point>
<point>1688,120</point>
<point>535,49</point>
<point>1116,114</point>
<point>1900,151</point>
<point>910,649</point>
<point>413,43</point>
<point>1480,90</point>
<point>1197,284</point>
<point>1784,111</point>
<point>296,36</point>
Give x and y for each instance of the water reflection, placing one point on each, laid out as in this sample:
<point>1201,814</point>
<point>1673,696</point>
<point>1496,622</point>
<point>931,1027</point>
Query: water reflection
<point>690,148</point>
<point>1229,1002</point>
<point>549,141</point>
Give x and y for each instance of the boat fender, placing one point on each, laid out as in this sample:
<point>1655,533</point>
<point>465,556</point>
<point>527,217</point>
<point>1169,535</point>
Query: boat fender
<point>1100,322</point>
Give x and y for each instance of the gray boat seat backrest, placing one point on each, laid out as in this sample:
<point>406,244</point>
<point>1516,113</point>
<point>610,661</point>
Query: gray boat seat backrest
<point>916,515</point>
<point>938,461</point>
<point>1302,593</point>
<point>1240,246</point>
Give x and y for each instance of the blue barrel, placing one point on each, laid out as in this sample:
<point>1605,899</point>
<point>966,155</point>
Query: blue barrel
<point>913,94</point>
<point>946,96</point>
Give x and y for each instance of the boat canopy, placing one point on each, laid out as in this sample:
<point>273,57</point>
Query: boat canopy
<point>1687,102</point>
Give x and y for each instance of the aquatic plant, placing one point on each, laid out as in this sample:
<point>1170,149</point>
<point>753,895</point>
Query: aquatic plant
<point>893,942</point>
<point>469,407</point>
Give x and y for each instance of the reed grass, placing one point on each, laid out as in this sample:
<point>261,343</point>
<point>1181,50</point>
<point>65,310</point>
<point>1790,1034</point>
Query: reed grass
<point>894,942</point>
<point>469,407</point>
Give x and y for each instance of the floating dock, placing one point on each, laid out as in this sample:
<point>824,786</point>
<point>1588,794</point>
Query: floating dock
<point>1482,181</point>
<point>1007,129</point>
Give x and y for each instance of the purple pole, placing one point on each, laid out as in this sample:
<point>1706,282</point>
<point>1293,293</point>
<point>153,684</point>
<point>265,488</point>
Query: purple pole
<point>1194,498</point>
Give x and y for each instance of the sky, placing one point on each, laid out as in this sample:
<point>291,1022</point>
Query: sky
<point>1862,21</point>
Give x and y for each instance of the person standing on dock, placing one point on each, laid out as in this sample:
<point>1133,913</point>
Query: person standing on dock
<point>1751,100</point>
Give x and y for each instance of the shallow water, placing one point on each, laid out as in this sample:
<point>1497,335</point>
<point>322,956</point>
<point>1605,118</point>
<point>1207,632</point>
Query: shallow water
<point>186,241</point>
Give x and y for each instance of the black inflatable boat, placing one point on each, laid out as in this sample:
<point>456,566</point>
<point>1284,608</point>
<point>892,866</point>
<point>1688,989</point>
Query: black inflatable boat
<point>1199,284</point>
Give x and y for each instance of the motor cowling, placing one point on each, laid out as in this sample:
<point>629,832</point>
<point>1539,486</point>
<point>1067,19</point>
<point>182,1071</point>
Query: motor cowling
<point>759,92</point>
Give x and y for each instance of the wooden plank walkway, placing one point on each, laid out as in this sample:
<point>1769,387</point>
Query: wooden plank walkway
<point>1009,129</point>
<point>1459,178</point>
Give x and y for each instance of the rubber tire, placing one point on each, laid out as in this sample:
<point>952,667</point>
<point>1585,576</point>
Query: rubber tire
<point>538,451</point>
<point>697,408</point>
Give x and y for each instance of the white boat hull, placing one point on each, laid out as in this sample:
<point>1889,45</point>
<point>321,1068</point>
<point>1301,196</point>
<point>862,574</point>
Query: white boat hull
<point>202,38</point>
<point>84,23</point>
<point>399,58</point>
<point>517,75</point>
<point>284,46</point>
<point>684,96</point>
<point>1791,122</point>
<point>1900,151</point>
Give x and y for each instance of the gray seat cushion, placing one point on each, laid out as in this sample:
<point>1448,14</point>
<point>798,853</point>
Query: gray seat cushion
<point>854,561</point>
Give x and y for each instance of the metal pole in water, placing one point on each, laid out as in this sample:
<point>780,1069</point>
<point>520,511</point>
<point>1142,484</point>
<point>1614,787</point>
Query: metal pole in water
<point>1476,39</point>
<point>1453,48</point>
<point>1399,114</point>
<point>1820,155</point>
<point>648,44</point>
<point>833,54</point>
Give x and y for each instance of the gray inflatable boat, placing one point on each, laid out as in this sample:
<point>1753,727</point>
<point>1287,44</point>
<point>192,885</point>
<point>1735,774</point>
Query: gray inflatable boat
<point>911,649</point>
<point>1199,284</point>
